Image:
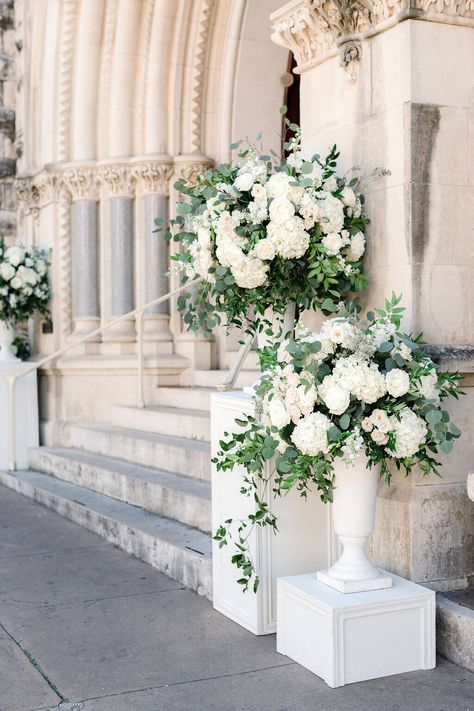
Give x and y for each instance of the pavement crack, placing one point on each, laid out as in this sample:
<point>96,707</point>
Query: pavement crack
<point>36,665</point>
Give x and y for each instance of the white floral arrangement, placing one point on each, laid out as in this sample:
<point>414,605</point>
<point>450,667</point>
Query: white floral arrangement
<point>358,387</point>
<point>24,285</point>
<point>265,232</point>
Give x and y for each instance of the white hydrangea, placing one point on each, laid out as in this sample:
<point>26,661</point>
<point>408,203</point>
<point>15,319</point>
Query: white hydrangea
<point>310,434</point>
<point>356,248</point>
<point>427,387</point>
<point>279,186</point>
<point>15,255</point>
<point>333,243</point>
<point>309,211</point>
<point>204,237</point>
<point>228,253</point>
<point>279,416</point>
<point>398,382</point>
<point>330,185</point>
<point>332,214</point>
<point>290,240</point>
<point>203,262</point>
<point>373,385</point>
<point>7,271</point>
<point>249,272</point>
<point>410,433</point>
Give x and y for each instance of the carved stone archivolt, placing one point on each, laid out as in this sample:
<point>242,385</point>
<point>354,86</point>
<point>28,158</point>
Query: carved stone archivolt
<point>316,29</point>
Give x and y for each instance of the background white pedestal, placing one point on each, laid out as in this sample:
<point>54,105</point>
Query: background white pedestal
<point>344,638</point>
<point>26,413</point>
<point>305,540</point>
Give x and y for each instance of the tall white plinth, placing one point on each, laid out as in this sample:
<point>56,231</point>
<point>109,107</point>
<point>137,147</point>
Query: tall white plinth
<point>304,541</point>
<point>344,638</point>
<point>25,411</point>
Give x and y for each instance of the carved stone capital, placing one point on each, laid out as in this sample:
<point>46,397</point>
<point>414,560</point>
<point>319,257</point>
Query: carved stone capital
<point>35,192</point>
<point>119,179</point>
<point>154,175</point>
<point>188,167</point>
<point>316,29</point>
<point>81,183</point>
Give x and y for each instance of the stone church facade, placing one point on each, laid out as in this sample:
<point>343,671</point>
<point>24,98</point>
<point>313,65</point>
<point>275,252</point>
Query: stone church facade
<point>106,103</point>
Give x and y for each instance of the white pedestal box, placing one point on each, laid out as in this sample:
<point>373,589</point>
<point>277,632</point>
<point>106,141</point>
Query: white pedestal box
<point>26,414</point>
<point>304,542</point>
<point>344,638</point>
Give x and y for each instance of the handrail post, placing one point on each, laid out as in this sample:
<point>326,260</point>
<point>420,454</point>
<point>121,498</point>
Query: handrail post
<point>141,399</point>
<point>11,379</point>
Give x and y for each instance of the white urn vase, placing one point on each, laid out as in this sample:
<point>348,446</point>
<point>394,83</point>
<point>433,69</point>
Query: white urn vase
<point>7,334</point>
<point>285,322</point>
<point>353,513</point>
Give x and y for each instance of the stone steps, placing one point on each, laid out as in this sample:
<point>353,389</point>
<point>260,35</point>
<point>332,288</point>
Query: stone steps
<point>159,451</point>
<point>182,498</point>
<point>455,626</point>
<point>174,421</point>
<point>181,552</point>
<point>195,398</point>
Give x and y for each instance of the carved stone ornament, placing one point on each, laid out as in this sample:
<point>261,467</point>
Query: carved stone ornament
<point>119,179</point>
<point>188,167</point>
<point>317,29</point>
<point>35,192</point>
<point>82,184</point>
<point>154,177</point>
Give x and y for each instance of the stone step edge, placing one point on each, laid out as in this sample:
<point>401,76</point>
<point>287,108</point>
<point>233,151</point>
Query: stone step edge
<point>43,459</point>
<point>154,437</point>
<point>455,632</point>
<point>184,564</point>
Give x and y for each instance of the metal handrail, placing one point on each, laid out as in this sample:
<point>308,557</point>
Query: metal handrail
<point>138,312</point>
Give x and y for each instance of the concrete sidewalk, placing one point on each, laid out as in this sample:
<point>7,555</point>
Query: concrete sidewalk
<point>84,627</point>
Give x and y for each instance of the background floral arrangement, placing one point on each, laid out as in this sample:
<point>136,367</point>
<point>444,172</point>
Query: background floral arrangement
<point>359,387</point>
<point>24,286</point>
<point>265,233</point>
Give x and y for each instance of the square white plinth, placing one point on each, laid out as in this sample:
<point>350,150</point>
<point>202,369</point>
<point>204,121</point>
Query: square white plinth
<point>348,638</point>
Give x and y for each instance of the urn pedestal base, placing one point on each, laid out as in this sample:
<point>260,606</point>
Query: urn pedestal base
<point>349,638</point>
<point>378,582</point>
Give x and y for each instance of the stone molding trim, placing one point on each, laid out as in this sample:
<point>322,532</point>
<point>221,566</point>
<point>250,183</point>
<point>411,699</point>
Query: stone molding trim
<point>69,182</point>
<point>314,30</point>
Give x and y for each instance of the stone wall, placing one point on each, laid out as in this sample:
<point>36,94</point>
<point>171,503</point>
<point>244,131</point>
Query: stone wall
<point>7,118</point>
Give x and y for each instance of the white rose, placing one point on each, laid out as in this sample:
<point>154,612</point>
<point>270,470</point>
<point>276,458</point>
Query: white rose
<point>333,243</point>
<point>281,210</point>
<point>381,420</point>
<point>278,413</point>
<point>15,255</point>
<point>244,182</point>
<point>379,437</point>
<point>337,400</point>
<point>330,185</point>
<point>204,238</point>
<point>367,425</point>
<point>7,271</point>
<point>348,197</point>
<point>398,382</point>
<point>249,272</point>
<point>265,249</point>
<point>259,193</point>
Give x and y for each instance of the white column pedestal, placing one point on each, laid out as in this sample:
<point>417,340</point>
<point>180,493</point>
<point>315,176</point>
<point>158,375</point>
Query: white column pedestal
<point>304,541</point>
<point>349,638</point>
<point>26,415</point>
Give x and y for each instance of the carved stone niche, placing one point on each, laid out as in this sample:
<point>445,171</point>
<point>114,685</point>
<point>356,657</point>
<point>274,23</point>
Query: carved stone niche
<point>314,30</point>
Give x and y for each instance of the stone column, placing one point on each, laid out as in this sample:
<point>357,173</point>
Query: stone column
<point>190,344</point>
<point>385,80</point>
<point>81,184</point>
<point>153,177</point>
<point>118,181</point>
